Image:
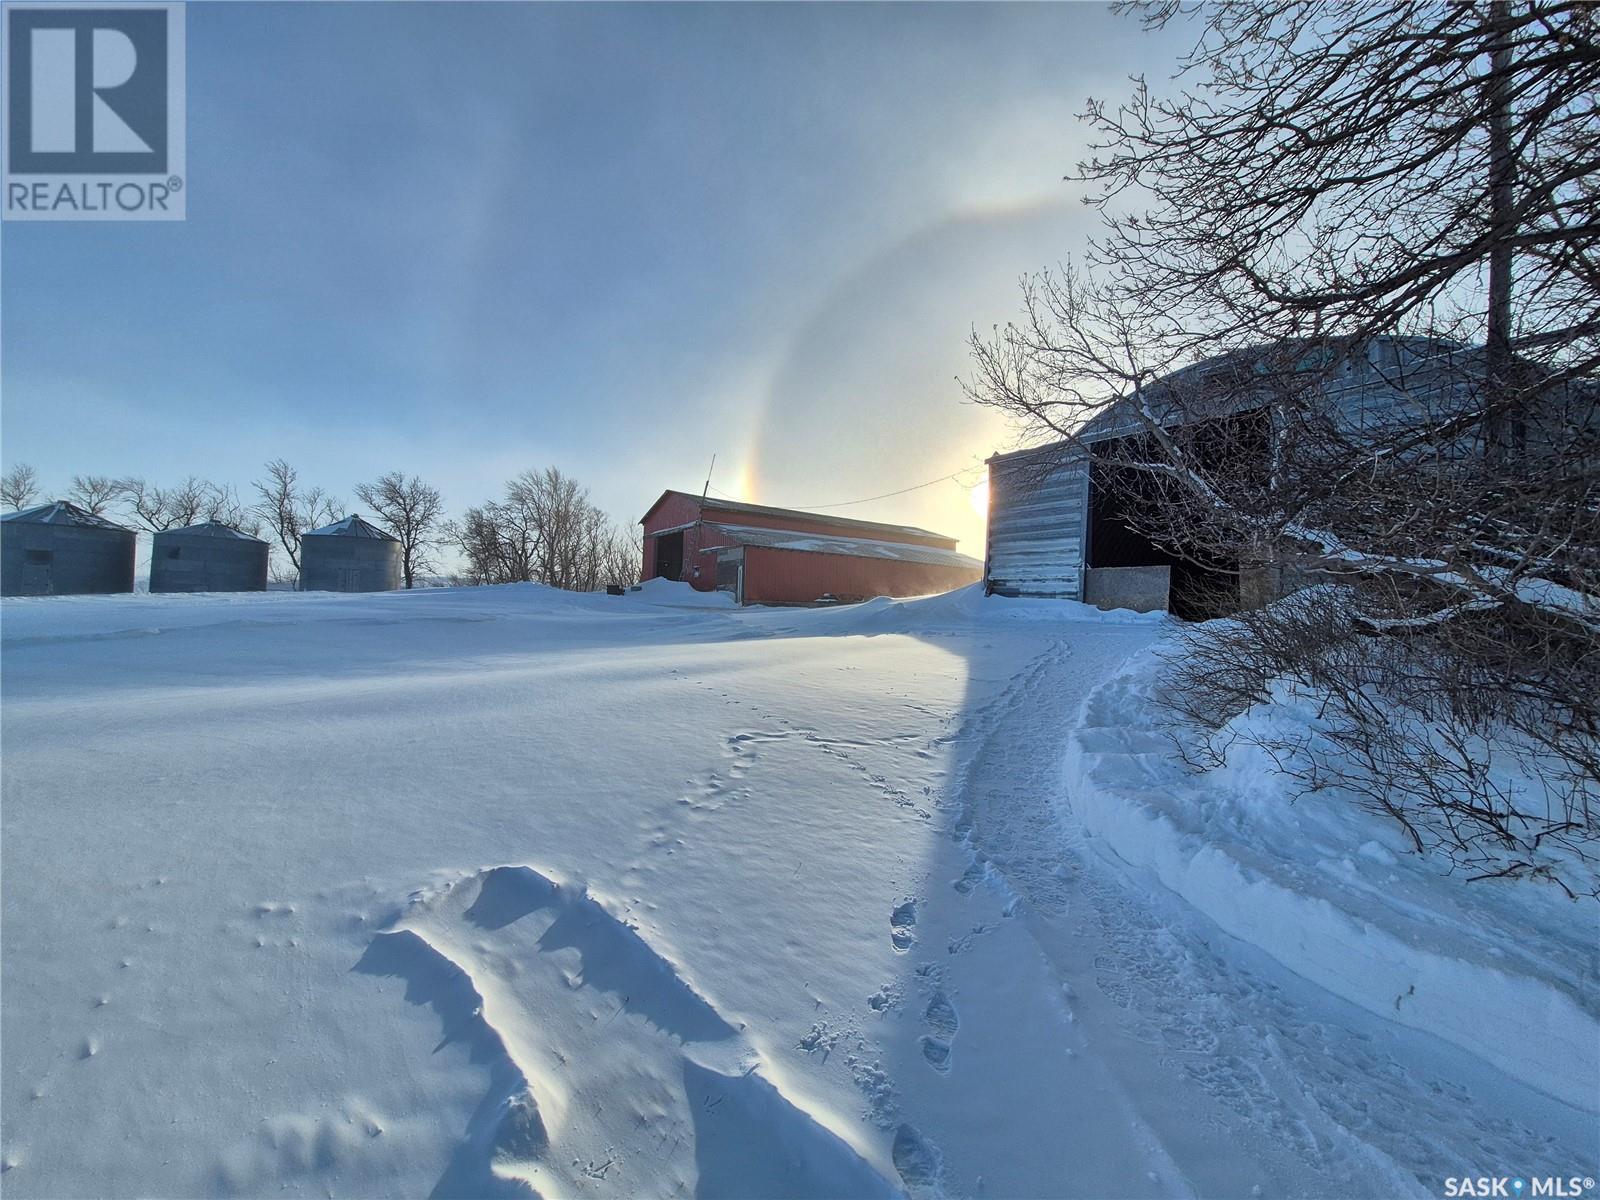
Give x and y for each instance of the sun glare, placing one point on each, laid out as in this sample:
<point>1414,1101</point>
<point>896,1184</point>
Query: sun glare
<point>978,497</point>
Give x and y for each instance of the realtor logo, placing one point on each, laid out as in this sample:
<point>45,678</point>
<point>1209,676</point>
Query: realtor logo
<point>94,112</point>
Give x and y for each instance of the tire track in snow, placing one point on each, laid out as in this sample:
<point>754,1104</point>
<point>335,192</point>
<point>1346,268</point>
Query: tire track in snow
<point>1328,1101</point>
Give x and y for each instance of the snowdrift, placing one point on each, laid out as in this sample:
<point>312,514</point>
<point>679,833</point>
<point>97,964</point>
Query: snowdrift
<point>1331,893</point>
<point>966,610</point>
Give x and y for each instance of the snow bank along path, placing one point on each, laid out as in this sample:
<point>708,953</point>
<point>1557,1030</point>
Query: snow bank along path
<point>1496,969</point>
<point>507,892</point>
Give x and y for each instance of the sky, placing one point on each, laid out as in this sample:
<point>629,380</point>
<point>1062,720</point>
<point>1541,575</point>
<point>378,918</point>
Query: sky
<point>466,240</point>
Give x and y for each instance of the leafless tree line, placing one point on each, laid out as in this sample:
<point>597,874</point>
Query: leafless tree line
<point>190,502</point>
<point>1342,327</point>
<point>545,530</point>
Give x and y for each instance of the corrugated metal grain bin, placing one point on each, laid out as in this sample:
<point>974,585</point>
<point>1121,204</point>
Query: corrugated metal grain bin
<point>349,556</point>
<point>59,549</point>
<point>210,557</point>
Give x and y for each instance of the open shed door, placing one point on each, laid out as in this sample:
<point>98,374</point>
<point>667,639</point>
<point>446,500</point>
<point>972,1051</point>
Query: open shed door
<point>669,556</point>
<point>730,573</point>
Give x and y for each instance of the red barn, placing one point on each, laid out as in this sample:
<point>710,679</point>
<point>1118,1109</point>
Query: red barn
<point>779,556</point>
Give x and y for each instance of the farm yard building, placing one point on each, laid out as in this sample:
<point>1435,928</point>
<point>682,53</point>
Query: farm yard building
<point>209,557</point>
<point>59,550</point>
<point>350,555</point>
<point>765,555</point>
<point>1055,530</point>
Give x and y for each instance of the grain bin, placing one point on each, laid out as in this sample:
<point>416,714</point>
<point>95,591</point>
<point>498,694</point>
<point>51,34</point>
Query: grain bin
<point>349,556</point>
<point>209,557</point>
<point>59,549</point>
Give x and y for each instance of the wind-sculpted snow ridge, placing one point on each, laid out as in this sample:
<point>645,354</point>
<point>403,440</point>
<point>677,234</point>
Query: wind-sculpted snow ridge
<point>609,1073</point>
<point>1328,890</point>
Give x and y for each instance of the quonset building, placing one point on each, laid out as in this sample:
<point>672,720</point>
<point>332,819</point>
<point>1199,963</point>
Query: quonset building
<point>351,555</point>
<point>1057,531</point>
<point>763,555</point>
<point>209,557</point>
<point>59,549</point>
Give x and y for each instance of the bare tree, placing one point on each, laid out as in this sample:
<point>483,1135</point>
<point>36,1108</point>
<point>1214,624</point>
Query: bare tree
<point>409,509</point>
<point>289,511</point>
<point>162,508</point>
<point>19,487</point>
<point>545,530</point>
<point>224,506</point>
<point>1343,325</point>
<point>622,555</point>
<point>187,503</point>
<point>1326,170</point>
<point>94,493</point>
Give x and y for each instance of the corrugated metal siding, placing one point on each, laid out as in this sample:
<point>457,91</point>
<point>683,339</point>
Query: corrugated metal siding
<point>48,559</point>
<point>337,563</point>
<point>1038,522</point>
<point>188,562</point>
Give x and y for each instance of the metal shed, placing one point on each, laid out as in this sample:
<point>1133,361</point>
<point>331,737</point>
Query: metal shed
<point>59,549</point>
<point>351,555</point>
<point>1053,532</point>
<point>209,557</point>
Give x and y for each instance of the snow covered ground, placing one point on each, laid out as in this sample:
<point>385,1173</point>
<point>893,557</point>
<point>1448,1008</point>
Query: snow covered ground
<point>499,891</point>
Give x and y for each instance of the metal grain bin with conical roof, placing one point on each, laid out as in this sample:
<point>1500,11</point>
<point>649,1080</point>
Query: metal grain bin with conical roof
<point>349,556</point>
<point>59,549</point>
<point>209,557</point>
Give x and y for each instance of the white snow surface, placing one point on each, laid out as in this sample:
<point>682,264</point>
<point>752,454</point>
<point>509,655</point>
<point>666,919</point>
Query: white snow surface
<point>1332,892</point>
<point>505,891</point>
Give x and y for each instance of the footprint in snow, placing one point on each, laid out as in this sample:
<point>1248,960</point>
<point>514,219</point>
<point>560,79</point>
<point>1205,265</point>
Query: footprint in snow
<point>901,923</point>
<point>915,1159</point>
<point>942,1022</point>
<point>970,878</point>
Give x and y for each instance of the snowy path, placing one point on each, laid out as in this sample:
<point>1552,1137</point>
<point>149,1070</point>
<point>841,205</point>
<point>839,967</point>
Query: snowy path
<point>1159,1056</point>
<point>504,891</point>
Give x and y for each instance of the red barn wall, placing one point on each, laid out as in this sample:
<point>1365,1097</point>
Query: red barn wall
<point>773,576</point>
<point>876,577</point>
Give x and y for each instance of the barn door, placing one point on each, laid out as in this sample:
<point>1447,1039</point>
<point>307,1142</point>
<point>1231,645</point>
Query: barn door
<point>669,556</point>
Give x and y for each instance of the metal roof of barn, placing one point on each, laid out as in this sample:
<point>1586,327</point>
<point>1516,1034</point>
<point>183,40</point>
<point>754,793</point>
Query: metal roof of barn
<point>351,526</point>
<point>819,543</point>
<point>1224,384</point>
<point>62,512</point>
<point>713,504</point>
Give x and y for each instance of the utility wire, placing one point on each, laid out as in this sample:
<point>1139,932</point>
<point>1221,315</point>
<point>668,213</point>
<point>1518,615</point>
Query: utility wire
<point>866,499</point>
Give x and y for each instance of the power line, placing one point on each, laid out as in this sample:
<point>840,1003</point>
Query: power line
<point>916,487</point>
